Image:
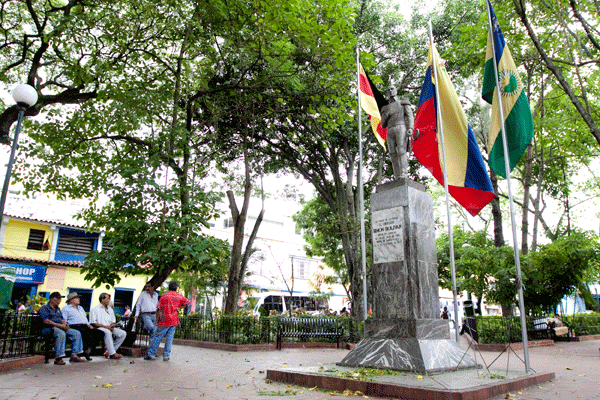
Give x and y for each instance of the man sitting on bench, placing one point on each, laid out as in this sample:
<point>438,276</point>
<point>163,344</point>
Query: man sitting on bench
<point>103,318</point>
<point>56,325</point>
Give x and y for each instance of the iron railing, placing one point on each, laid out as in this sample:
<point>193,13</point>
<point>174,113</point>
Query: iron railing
<point>227,329</point>
<point>246,329</point>
<point>19,335</point>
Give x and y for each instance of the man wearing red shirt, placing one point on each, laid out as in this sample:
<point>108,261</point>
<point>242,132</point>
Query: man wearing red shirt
<point>167,317</point>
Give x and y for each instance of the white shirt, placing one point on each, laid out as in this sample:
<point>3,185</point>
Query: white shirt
<point>74,315</point>
<point>102,316</point>
<point>146,303</point>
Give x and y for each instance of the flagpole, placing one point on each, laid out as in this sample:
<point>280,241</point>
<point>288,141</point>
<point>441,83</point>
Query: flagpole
<point>519,281</point>
<point>441,132</point>
<point>361,191</point>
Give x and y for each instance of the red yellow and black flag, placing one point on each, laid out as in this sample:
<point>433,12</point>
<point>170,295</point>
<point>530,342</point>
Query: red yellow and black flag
<point>371,101</point>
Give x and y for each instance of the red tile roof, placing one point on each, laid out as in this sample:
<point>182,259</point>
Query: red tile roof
<point>45,221</point>
<point>43,262</point>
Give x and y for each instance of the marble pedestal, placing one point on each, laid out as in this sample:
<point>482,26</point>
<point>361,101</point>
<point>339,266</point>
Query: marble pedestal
<point>406,332</point>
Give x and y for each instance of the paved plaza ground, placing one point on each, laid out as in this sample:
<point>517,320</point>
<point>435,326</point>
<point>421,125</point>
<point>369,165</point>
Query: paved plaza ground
<point>194,373</point>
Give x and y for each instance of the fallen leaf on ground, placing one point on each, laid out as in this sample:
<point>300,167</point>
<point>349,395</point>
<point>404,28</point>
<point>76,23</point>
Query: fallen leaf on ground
<point>261,372</point>
<point>359,393</point>
<point>124,370</point>
<point>107,385</point>
<point>94,385</point>
<point>569,368</point>
<point>98,377</point>
<point>131,362</point>
<point>420,377</point>
<point>229,386</point>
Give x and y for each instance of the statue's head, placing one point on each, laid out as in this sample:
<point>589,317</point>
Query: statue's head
<point>391,91</point>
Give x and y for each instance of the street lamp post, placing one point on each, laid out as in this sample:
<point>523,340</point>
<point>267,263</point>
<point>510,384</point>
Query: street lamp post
<point>25,96</point>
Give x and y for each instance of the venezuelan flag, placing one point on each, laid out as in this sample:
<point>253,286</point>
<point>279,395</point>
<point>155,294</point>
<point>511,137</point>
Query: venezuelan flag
<point>515,105</point>
<point>468,180</point>
<point>371,101</point>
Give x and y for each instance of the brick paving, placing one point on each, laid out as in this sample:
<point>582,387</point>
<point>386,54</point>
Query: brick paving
<point>194,373</point>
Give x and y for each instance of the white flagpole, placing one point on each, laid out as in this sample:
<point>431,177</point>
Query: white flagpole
<point>519,281</point>
<point>441,135</point>
<point>361,193</point>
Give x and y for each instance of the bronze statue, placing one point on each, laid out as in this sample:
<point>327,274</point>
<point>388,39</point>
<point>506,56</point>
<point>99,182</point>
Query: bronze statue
<point>398,117</point>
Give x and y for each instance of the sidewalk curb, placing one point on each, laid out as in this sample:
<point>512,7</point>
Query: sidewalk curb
<point>19,363</point>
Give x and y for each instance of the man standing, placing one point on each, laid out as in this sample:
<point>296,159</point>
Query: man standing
<point>57,326</point>
<point>75,316</point>
<point>146,307</point>
<point>167,318</point>
<point>103,318</point>
<point>397,116</point>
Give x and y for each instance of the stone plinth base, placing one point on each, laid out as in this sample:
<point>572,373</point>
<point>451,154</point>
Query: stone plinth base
<point>394,328</point>
<point>409,354</point>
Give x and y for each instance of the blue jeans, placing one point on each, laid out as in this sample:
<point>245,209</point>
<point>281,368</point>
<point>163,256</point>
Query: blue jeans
<point>149,321</point>
<point>161,331</point>
<point>60,339</point>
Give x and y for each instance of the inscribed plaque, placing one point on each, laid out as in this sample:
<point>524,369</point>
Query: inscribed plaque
<point>388,236</point>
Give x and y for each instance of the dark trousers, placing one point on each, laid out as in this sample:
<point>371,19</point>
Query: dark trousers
<point>90,337</point>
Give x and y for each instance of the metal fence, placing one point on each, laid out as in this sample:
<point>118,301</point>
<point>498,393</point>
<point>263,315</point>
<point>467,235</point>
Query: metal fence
<point>584,324</point>
<point>19,335</point>
<point>498,329</point>
<point>227,329</point>
<point>245,329</point>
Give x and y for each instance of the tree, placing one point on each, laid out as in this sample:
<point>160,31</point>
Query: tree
<point>209,279</point>
<point>569,48</point>
<point>559,268</point>
<point>477,261</point>
<point>170,87</point>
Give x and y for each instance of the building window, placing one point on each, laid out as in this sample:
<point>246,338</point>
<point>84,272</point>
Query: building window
<point>123,297</point>
<point>36,239</point>
<point>228,223</point>
<point>302,269</point>
<point>73,244</point>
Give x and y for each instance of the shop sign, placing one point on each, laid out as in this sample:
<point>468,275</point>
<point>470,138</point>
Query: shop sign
<point>29,273</point>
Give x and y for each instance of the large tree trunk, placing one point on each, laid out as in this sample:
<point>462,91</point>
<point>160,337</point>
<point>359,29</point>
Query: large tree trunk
<point>526,187</point>
<point>239,261</point>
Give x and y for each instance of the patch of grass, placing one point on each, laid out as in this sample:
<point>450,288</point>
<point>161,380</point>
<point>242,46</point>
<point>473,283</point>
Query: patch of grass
<point>497,376</point>
<point>288,392</point>
<point>365,374</point>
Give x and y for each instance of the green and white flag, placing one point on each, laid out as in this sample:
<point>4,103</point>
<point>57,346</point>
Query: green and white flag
<point>515,105</point>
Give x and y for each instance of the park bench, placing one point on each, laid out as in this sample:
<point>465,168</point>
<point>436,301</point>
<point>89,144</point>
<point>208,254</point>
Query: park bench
<point>305,328</point>
<point>542,329</point>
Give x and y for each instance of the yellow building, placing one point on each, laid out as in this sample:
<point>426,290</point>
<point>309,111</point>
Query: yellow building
<point>48,257</point>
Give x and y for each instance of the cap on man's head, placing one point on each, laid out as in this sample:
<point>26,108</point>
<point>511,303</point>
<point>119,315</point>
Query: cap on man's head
<point>71,296</point>
<point>56,295</point>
